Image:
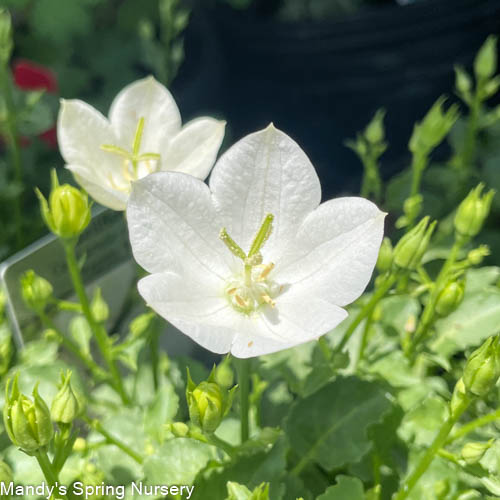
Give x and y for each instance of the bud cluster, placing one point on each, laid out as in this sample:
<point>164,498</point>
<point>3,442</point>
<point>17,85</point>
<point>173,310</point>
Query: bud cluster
<point>35,290</point>
<point>208,402</point>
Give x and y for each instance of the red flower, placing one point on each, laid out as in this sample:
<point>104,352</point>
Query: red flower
<point>32,76</point>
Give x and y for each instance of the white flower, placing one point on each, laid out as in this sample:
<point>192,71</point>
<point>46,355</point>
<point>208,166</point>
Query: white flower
<point>279,273</point>
<point>143,135</point>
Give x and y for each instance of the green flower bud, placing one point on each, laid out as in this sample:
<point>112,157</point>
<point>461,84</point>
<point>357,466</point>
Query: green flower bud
<point>434,127</point>
<point>240,492</point>
<point>140,324</point>
<point>80,445</point>
<point>6,348</point>
<point>384,260</point>
<point>208,403</point>
<point>463,81</point>
<point>412,246</point>
<point>473,452</point>
<point>27,422</point>
<point>224,375</point>
<point>476,256</point>
<point>375,132</point>
<point>67,213</point>
<point>459,397</point>
<point>6,474</point>
<point>450,297</point>
<point>441,488</point>
<point>65,406</point>
<point>36,291</point>
<point>472,212</point>
<point>178,429</point>
<point>6,43</point>
<point>99,308</point>
<point>483,368</point>
<point>485,63</point>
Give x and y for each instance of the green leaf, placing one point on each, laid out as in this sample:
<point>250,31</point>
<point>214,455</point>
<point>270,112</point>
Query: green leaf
<point>82,334</point>
<point>330,427</point>
<point>161,411</point>
<point>476,319</point>
<point>347,488</point>
<point>178,462</point>
<point>249,470</point>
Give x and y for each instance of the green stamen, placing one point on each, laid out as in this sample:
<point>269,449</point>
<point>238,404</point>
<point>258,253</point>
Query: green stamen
<point>110,148</point>
<point>262,236</point>
<point>234,248</point>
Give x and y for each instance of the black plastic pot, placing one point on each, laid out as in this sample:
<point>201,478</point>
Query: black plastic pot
<point>322,81</point>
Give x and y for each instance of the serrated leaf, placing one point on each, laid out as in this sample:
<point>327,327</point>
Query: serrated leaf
<point>330,427</point>
<point>347,488</point>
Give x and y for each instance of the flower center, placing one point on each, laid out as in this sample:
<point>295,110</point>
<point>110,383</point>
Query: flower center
<point>135,165</point>
<point>253,288</point>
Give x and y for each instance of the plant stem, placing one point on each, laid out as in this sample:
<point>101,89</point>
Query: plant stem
<point>48,471</point>
<point>431,452</point>
<point>93,367</point>
<point>96,425</point>
<point>364,338</point>
<point>99,332</point>
<point>427,317</point>
<point>11,136</point>
<point>367,309</point>
<point>469,149</point>
<point>473,425</point>
<point>220,443</point>
<point>154,345</point>
<point>242,366</point>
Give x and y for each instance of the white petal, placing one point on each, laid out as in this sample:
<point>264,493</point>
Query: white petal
<point>98,188</point>
<point>335,251</point>
<point>150,100</point>
<point>81,131</point>
<point>265,172</point>
<point>296,319</point>
<point>198,311</point>
<point>171,217</point>
<point>194,149</point>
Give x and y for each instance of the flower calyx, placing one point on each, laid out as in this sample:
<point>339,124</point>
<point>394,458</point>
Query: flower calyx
<point>26,421</point>
<point>208,402</point>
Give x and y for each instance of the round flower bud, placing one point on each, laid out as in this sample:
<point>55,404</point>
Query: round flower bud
<point>67,213</point>
<point>65,406</point>
<point>26,421</point>
<point>441,488</point>
<point>99,308</point>
<point>463,81</point>
<point>208,403</point>
<point>384,261</point>
<point>450,297</point>
<point>412,246</point>
<point>473,452</point>
<point>80,445</point>
<point>476,255</point>
<point>472,212</point>
<point>482,369</point>
<point>224,375</point>
<point>179,429</point>
<point>35,290</point>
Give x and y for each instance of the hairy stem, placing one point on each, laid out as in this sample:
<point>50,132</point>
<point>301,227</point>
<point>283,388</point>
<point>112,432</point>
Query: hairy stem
<point>242,366</point>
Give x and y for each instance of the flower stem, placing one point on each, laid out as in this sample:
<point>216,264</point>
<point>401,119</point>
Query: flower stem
<point>367,309</point>
<point>96,425</point>
<point>473,425</point>
<point>99,332</point>
<point>220,443</point>
<point>431,452</point>
<point>48,470</point>
<point>93,367</point>
<point>427,317</point>
<point>242,366</point>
